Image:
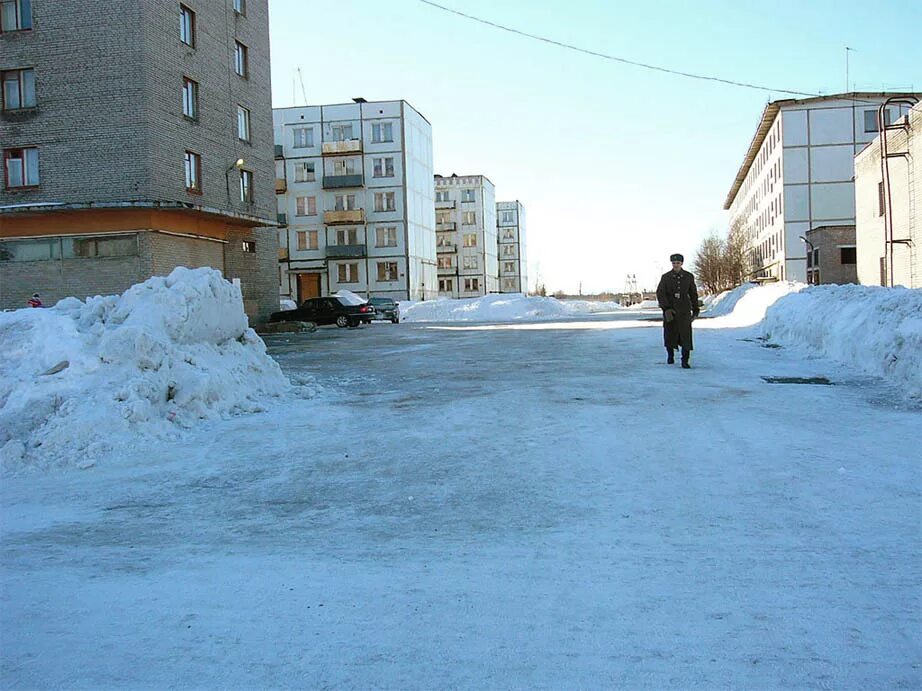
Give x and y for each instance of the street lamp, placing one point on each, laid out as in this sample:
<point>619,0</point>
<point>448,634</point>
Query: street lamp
<point>810,257</point>
<point>238,165</point>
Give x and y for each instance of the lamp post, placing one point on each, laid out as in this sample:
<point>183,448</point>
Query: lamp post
<point>238,165</point>
<point>809,256</point>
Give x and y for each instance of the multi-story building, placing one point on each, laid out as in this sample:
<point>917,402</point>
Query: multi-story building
<point>889,209</point>
<point>136,137</point>
<point>797,176</point>
<point>510,230</point>
<point>354,184</point>
<point>465,224</point>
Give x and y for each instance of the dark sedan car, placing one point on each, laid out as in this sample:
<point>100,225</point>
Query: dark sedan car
<point>328,310</point>
<point>385,308</point>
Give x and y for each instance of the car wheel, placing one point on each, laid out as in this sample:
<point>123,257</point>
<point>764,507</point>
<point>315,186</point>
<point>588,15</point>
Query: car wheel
<point>395,320</point>
<point>342,322</point>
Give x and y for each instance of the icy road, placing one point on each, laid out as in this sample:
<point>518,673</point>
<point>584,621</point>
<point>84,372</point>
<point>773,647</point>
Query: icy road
<point>531,506</point>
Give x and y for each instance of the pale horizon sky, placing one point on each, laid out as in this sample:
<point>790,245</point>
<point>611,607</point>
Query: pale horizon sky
<point>617,166</point>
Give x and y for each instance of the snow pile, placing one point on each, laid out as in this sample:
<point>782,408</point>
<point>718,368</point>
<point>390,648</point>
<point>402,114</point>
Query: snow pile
<point>82,378</point>
<point>746,305</point>
<point>347,297</point>
<point>499,308</point>
<point>876,330</point>
<point>287,304</point>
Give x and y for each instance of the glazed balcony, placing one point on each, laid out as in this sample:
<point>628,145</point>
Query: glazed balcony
<point>344,217</point>
<point>343,148</point>
<point>339,181</point>
<point>449,204</point>
<point>281,185</point>
<point>445,226</point>
<point>345,251</point>
<point>445,249</point>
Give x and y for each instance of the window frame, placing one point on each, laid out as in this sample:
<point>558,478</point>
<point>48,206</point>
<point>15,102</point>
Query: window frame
<point>377,132</point>
<point>241,60</point>
<point>20,85</point>
<point>20,25</point>
<point>390,272</point>
<point>309,138</point>
<point>247,178</point>
<point>309,175</point>
<point>389,233</point>
<point>309,206</point>
<point>192,163</point>
<point>240,7</point>
<point>186,83</point>
<point>340,278</point>
<point>187,13</point>
<point>24,158</point>
<point>243,136</point>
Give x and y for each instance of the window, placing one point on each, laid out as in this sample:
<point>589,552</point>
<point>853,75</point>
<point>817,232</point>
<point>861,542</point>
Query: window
<point>240,7</point>
<point>21,166</point>
<point>470,239</point>
<point>467,195</point>
<point>508,216</point>
<point>347,236</point>
<point>193,164</point>
<point>383,167</point>
<point>187,26</point>
<point>15,15</point>
<point>446,285</point>
<point>870,119</point>
<point>249,246</point>
<point>243,123</point>
<point>306,206</point>
<point>386,237</point>
<point>345,166</point>
<point>442,196</point>
<point>444,262</point>
<point>305,171</point>
<point>881,199</point>
<point>307,239</point>
<point>344,202</point>
<point>508,250</point>
<point>382,132</point>
<point>348,273</point>
<point>246,186</point>
<point>18,89</point>
<point>30,250</point>
<point>241,62</point>
<point>387,271</point>
<point>508,267</point>
<point>303,137</point>
<point>340,133</point>
<point>384,201</point>
<point>443,216</point>
<point>471,285</point>
<point>848,255</point>
<point>443,240</point>
<point>469,218</point>
<point>509,234</point>
<point>190,98</point>
<point>470,262</point>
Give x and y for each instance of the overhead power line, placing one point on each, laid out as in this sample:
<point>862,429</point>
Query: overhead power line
<point>613,58</point>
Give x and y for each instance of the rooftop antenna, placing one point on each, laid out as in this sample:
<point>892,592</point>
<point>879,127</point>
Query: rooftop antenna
<point>847,51</point>
<point>303,91</point>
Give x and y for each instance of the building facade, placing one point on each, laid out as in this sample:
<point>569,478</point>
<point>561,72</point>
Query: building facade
<point>797,175</point>
<point>136,137</point>
<point>513,263</point>
<point>889,215</point>
<point>466,242</point>
<point>354,190</point>
<point>831,255</point>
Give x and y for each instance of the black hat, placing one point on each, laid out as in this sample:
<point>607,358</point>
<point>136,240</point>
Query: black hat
<point>676,258</point>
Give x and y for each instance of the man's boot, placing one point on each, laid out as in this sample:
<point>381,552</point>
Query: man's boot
<point>685,355</point>
<point>670,356</point>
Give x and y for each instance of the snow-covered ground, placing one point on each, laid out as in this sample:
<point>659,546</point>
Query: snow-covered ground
<point>501,307</point>
<point>540,503</point>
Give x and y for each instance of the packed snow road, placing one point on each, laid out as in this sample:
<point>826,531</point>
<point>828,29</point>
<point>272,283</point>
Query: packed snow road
<point>542,505</point>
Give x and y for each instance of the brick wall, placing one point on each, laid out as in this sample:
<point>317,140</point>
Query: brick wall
<point>257,271</point>
<point>829,240</point>
<point>162,253</point>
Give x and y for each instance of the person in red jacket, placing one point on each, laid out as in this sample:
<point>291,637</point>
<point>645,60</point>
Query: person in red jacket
<point>35,301</point>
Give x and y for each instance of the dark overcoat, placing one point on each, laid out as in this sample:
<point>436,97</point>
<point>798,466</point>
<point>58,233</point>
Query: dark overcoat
<point>677,291</point>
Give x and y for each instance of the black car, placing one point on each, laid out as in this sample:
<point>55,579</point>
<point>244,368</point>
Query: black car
<point>385,308</point>
<point>328,310</point>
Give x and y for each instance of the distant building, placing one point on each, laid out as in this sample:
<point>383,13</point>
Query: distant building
<point>797,176</point>
<point>513,264</point>
<point>881,207</point>
<point>354,190</point>
<point>136,137</point>
<point>831,255</point>
<point>465,224</point>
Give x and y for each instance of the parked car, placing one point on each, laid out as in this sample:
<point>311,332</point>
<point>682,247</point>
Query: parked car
<point>328,310</point>
<point>385,308</point>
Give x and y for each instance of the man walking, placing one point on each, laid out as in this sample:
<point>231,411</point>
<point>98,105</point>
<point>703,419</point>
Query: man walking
<point>677,296</point>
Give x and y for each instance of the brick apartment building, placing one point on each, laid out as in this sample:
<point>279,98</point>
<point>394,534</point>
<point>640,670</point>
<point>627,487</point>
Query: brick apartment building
<point>136,137</point>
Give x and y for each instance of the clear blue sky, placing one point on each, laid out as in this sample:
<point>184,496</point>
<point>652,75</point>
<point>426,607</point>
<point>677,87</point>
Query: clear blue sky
<point>617,166</point>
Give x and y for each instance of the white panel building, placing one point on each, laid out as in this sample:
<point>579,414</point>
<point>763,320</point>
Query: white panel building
<point>466,245</point>
<point>513,263</point>
<point>798,176</point>
<point>354,188</point>
<point>889,216</point>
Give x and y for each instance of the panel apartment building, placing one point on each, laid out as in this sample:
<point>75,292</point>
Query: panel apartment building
<point>354,190</point>
<point>513,264</point>
<point>136,137</point>
<point>889,213</point>
<point>465,224</point>
<point>797,176</point>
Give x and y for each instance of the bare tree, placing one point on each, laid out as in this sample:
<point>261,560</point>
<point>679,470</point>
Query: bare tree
<point>709,269</point>
<point>722,264</point>
<point>737,258</point>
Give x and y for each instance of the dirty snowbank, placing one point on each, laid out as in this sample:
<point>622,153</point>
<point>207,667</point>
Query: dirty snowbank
<point>80,379</point>
<point>500,307</point>
<point>872,329</point>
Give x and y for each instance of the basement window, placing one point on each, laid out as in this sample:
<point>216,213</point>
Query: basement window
<point>249,246</point>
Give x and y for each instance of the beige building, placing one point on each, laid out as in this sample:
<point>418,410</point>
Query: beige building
<point>466,242</point>
<point>798,175</point>
<point>889,212</point>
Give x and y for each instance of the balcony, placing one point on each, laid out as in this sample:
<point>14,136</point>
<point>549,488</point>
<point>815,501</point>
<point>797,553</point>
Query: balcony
<point>344,148</point>
<point>444,249</point>
<point>283,254</point>
<point>450,204</point>
<point>345,251</point>
<point>448,271</point>
<point>279,151</point>
<point>345,217</point>
<point>282,219</point>
<point>445,226</point>
<point>338,181</point>
<point>281,185</point>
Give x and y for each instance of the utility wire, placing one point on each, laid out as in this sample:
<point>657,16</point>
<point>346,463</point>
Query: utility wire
<point>613,58</point>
